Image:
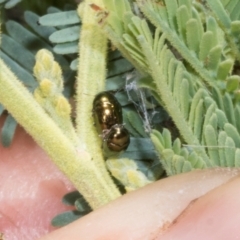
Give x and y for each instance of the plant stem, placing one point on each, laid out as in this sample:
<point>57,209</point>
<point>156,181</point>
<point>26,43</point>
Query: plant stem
<point>74,163</point>
<point>91,80</point>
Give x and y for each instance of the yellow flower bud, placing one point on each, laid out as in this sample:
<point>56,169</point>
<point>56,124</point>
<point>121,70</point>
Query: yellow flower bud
<point>38,71</point>
<point>56,75</point>
<point>44,55</point>
<point>38,96</point>
<point>63,107</point>
<point>46,87</point>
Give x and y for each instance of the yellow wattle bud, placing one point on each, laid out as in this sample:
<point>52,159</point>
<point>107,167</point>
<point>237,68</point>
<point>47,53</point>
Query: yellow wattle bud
<point>38,69</point>
<point>46,87</point>
<point>63,107</point>
<point>45,57</point>
<point>136,179</point>
<point>56,74</point>
<point>44,63</point>
<point>38,96</point>
<point>46,67</point>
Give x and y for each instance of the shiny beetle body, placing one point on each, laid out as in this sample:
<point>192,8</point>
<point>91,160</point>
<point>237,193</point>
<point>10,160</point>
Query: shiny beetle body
<point>117,138</point>
<point>107,113</point>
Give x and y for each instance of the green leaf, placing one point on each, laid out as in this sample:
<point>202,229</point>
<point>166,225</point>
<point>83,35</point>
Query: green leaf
<point>183,16</point>
<point>146,32</point>
<point>115,83</point>
<point>172,7</point>
<point>149,9</point>
<point>69,34</point>
<point>113,55</point>
<point>131,42</point>
<point>225,2</point>
<point>185,98</point>
<point>66,48</point>
<point>184,153</point>
<point>159,44</point>
<point>208,101</point>
<point>211,141</point>
<point>136,122</point>
<point>198,121</point>
<point>129,126</point>
<point>222,136</point>
<point>60,19</point>
<point>66,218</point>
<point>1,109</point>
<point>44,32</point>
<point>25,38</point>
<point>237,116</point>
<point>140,149</point>
<point>18,53</point>
<point>137,23</point>
<point>224,68</point>
<point>116,24</point>
<point>122,7</point>
<point>221,117</point>
<point>119,66</point>
<point>186,167</point>
<point>11,3</point>
<point>235,12</point>
<point>194,160</point>
<point>233,83</point>
<point>32,21</point>
<point>167,138</point>
<point>210,110</point>
<point>187,3</point>
<point>26,77</point>
<point>235,27</point>
<point>82,205</point>
<point>74,64</point>
<point>143,144</point>
<point>70,198</point>
<point>172,67</point>
<point>110,4</point>
<point>214,58</point>
<point>237,158</point>
<point>158,141</point>
<point>162,10</point>
<point>167,162</point>
<point>195,101</point>
<point>177,163</point>
<point>231,6</point>
<point>176,146</point>
<point>232,133</point>
<point>229,109</point>
<point>220,12</point>
<point>8,130</point>
<point>213,121</point>
<point>213,27</point>
<point>230,152</point>
<point>217,96</point>
<point>206,45</point>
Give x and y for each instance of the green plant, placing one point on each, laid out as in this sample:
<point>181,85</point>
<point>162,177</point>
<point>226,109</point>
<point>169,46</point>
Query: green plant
<point>186,54</point>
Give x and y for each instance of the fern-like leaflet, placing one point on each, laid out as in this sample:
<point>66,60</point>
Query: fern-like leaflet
<point>182,94</point>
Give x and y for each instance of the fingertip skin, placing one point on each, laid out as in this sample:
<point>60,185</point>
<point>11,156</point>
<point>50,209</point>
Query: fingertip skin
<point>31,189</point>
<point>148,212</point>
<point>213,216</point>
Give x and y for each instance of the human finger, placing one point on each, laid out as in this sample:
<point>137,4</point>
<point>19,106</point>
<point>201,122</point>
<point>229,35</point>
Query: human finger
<point>143,214</point>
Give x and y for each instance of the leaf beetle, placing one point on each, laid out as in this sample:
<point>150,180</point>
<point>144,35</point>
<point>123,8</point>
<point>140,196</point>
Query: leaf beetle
<point>107,113</point>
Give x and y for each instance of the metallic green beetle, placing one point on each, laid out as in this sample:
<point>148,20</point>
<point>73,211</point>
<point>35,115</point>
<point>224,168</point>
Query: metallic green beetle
<point>108,118</point>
